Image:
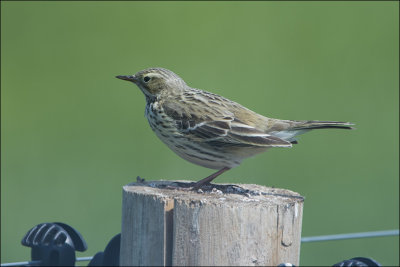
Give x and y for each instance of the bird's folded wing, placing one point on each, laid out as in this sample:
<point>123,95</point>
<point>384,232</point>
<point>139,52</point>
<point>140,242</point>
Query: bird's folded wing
<point>228,132</point>
<point>221,130</point>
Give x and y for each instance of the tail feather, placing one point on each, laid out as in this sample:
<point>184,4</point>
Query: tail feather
<point>305,125</point>
<point>301,127</point>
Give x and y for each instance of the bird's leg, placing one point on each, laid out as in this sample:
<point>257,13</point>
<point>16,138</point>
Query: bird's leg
<point>208,179</point>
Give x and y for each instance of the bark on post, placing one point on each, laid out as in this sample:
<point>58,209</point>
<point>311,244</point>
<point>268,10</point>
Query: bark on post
<point>224,225</point>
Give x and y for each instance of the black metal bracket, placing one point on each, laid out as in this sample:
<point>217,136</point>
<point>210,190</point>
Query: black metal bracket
<point>54,244</point>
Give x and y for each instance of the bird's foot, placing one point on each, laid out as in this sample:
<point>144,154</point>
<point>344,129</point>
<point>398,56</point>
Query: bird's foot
<point>194,187</point>
<point>178,188</point>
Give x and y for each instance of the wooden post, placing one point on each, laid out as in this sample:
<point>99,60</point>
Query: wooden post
<point>224,225</point>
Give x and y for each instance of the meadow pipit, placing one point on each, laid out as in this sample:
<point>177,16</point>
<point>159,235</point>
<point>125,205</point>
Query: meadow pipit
<point>208,129</point>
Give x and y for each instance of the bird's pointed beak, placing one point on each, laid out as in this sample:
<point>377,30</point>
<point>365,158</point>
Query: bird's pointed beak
<point>130,78</point>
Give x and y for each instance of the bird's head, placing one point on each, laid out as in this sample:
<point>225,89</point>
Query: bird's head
<point>154,81</point>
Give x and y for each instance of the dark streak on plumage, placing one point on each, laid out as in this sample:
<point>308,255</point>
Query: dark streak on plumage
<point>195,156</point>
<point>205,152</point>
<point>262,141</point>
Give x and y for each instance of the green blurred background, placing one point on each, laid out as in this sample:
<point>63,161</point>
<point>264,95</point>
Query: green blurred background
<point>73,135</point>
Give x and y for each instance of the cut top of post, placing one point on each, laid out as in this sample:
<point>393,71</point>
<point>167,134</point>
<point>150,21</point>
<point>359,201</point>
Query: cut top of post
<point>245,193</point>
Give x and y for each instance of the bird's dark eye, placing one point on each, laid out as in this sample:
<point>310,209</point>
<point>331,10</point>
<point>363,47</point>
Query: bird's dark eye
<point>146,79</point>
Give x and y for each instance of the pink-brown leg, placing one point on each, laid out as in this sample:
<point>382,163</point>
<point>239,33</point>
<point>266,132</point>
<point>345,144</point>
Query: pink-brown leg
<point>208,179</point>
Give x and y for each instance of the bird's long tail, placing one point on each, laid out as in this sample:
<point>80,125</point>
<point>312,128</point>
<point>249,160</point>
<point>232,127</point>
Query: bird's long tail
<point>296,128</point>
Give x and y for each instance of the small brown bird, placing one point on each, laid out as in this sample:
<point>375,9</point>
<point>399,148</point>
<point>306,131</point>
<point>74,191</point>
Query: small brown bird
<point>208,129</point>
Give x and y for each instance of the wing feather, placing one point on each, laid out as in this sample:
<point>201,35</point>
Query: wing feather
<point>222,129</point>
<point>245,135</point>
